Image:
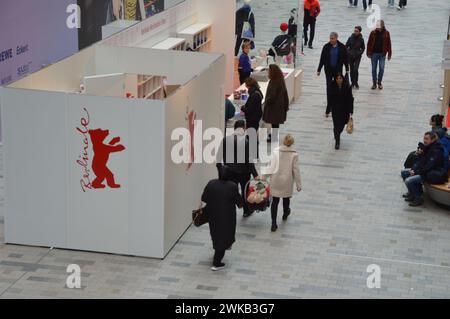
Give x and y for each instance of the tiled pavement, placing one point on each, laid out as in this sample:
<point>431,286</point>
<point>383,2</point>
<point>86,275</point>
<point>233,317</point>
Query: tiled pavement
<point>350,214</point>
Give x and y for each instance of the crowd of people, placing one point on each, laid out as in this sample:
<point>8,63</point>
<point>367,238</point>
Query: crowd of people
<point>340,62</point>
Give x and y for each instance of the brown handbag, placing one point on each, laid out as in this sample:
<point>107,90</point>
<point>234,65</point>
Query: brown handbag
<point>350,126</point>
<point>200,217</point>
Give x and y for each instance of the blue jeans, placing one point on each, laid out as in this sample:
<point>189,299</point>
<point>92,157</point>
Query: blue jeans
<point>353,2</point>
<point>391,2</point>
<point>405,174</point>
<point>378,59</point>
<point>414,185</point>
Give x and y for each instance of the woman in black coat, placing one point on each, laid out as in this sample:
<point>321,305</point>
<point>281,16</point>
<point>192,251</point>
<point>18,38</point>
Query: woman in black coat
<point>341,100</point>
<point>221,197</point>
<point>253,107</point>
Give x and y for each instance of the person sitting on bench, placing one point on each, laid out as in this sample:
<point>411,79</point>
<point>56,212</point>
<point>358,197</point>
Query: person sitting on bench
<point>429,168</point>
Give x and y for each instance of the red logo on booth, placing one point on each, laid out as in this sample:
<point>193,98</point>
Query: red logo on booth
<point>100,158</point>
<point>191,117</point>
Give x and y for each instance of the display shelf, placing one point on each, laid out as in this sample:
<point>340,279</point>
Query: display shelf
<point>197,36</point>
<point>171,44</point>
<point>149,86</point>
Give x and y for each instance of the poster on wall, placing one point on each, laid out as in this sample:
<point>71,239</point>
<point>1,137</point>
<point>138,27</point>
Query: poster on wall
<point>33,34</point>
<point>98,13</point>
<point>151,7</point>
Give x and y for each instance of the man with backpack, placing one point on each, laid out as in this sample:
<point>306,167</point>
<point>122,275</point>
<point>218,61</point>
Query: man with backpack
<point>245,26</point>
<point>312,11</point>
<point>282,44</point>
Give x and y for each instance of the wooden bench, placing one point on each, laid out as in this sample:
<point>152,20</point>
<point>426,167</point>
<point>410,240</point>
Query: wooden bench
<point>439,193</point>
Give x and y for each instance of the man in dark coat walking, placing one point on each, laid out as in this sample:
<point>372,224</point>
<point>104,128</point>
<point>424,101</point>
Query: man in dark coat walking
<point>333,58</point>
<point>221,197</point>
<point>355,49</point>
<point>236,154</point>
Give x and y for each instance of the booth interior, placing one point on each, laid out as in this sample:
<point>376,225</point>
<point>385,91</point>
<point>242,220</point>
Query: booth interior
<point>92,168</point>
<point>206,26</point>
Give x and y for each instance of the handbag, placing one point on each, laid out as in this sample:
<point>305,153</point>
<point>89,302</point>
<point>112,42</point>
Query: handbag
<point>350,126</point>
<point>247,32</point>
<point>200,217</point>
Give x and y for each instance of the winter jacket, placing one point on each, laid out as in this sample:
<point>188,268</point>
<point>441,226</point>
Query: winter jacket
<point>325,58</point>
<point>355,46</point>
<point>253,107</point>
<point>387,45</point>
<point>284,171</point>
<point>430,164</point>
<point>221,198</point>
<point>312,9</point>
<point>341,102</point>
<point>276,104</point>
<point>234,152</point>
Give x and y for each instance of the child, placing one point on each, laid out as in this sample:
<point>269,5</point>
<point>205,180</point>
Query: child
<point>245,64</point>
<point>284,171</point>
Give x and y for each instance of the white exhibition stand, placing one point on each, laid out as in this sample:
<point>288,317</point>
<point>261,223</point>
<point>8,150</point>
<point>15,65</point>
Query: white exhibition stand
<point>49,154</point>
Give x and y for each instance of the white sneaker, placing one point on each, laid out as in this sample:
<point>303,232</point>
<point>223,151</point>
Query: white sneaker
<point>399,8</point>
<point>214,268</point>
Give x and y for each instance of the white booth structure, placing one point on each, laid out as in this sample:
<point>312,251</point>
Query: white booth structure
<point>93,171</point>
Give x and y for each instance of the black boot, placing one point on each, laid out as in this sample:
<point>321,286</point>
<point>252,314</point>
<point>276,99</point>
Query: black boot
<point>338,143</point>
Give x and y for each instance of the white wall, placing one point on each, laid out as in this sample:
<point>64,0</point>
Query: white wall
<point>34,161</point>
<point>63,76</point>
<point>179,67</point>
<point>45,203</point>
<point>183,188</point>
<point>222,13</point>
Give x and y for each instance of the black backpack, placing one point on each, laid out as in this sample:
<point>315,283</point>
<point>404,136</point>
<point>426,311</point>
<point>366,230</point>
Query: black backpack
<point>282,45</point>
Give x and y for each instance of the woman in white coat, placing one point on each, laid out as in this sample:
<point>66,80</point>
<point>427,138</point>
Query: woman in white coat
<point>284,172</point>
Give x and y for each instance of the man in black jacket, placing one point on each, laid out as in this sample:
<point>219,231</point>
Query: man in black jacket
<point>355,49</point>
<point>428,168</point>
<point>234,153</point>
<point>333,58</point>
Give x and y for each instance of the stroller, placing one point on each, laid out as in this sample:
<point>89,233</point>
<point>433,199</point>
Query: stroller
<point>258,196</point>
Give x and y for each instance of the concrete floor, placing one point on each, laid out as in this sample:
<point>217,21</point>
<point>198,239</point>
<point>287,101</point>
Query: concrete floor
<point>349,216</point>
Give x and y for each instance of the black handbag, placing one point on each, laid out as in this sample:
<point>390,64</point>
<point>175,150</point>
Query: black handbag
<point>200,217</point>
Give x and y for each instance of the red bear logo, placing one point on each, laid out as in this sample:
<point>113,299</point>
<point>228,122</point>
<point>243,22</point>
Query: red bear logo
<point>101,157</point>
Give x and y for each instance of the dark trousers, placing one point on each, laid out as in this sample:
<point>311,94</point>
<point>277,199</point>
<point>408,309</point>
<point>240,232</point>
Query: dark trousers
<point>311,24</point>
<point>354,69</point>
<point>243,76</point>
<point>241,180</point>
<point>238,46</point>
<point>402,3</point>
<point>218,256</point>
<point>338,128</point>
<point>274,207</point>
<point>365,4</point>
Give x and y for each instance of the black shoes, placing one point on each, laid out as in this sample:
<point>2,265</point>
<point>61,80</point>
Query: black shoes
<point>310,47</point>
<point>406,195</point>
<point>416,202</point>
<point>338,145</point>
<point>274,228</point>
<point>380,86</point>
<point>374,87</point>
<point>286,215</point>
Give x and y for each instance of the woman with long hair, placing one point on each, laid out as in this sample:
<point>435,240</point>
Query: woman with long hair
<point>276,104</point>
<point>253,107</point>
<point>341,100</point>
